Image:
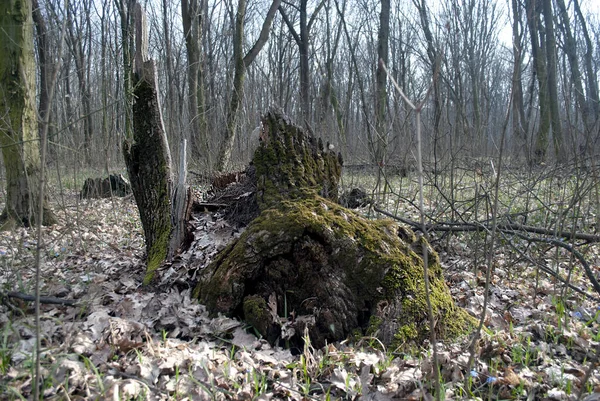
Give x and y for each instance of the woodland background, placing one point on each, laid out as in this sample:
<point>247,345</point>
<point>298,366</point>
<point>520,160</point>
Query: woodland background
<point>511,83</point>
<point>529,67</point>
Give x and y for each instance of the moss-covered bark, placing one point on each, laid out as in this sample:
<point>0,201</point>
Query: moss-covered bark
<point>321,259</point>
<point>307,262</point>
<point>291,163</point>
<point>149,166</point>
<point>18,125</point>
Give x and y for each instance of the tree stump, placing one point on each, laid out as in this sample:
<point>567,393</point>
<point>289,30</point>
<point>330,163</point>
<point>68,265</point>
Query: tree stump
<point>308,263</point>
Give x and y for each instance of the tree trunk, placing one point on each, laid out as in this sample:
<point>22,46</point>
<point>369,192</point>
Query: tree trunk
<point>241,64</point>
<point>148,157</point>
<point>570,49</point>
<point>591,78</point>
<point>125,8</point>
<point>43,53</point>
<point>236,92</point>
<point>433,60</point>
<point>303,47</point>
<point>76,38</point>
<point>381,91</point>
<point>19,137</point>
<point>539,61</point>
<point>521,145</point>
<point>303,41</point>
<point>552,80</point>
<point>190,15</point>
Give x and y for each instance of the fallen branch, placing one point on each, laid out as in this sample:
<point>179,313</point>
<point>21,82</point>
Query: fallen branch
<point>517,230</point>
<point>43,300</point>
<point>508,227</point>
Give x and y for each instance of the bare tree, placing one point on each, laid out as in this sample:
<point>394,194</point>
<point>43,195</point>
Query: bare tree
<point>79,41</point>
<point>381,78</point>
<point>519,120</point>
<point>241,63</point>
<point>552,79</point>
<point>190,15</point>
<point>19,137</point>
<point>303,42</point>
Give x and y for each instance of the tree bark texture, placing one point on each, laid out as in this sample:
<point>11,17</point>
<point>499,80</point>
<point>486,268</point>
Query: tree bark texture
<point>290,162</point>
<point>538,53</point>
<point>308,263</point>
<point>381,92</point>
<point>19,137</point>
<point>148,159</point>
<point>553,99</point>
<point>190,15</point>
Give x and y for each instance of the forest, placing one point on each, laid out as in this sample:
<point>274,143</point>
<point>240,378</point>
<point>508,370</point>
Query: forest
<point>300,199</point>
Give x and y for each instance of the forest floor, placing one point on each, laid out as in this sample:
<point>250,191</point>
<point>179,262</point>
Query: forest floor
<point>125,341</point>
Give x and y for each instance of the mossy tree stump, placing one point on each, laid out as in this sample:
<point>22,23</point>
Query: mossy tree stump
<point>308,263</point>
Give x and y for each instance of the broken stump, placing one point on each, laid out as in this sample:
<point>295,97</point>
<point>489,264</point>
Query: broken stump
<point>307,263</point>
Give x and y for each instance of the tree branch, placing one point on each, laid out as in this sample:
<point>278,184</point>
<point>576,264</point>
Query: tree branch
<point>514,229</point>
<point>264,34</point>
<point>290,26</point>
<point>43,300</point>
<point>314,15</point>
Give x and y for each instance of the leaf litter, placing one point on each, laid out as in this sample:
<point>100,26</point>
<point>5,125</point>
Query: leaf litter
<point>126,341</point>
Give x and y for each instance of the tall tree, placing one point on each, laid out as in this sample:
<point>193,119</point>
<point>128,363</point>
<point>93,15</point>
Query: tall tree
<point>552,79</point>
<point>538,53</point>
<point>591,77</point>
<point>192,31</point>
<point>18,125</point>
<point>432,55</point>
<point>381,78</point>
<point>241,63</point>
<point>43,48</point>
<point>519,120</point>
<point>79,34</point>
<point>303,41</point>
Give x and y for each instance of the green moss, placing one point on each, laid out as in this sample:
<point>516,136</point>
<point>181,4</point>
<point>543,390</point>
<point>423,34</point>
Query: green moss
<point>256,314</point>
<point>406,333</point>
<point>384,273</point>
<point>157,254</point>
<point>375,322</point>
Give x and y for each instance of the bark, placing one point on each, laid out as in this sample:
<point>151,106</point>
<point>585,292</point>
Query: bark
<point>190,14</point>
<point>76,45</point>
<point>329,270</point>
<point>381,78</point>
<point>237,91</point>
<point>553,100</point>
<point>538,54</point>
<point>43,54</point>
<point>19,136</point>
<point>124,8</point>
<point>302,40</point>
<point>171,101</point>
<point>148,157</point>
<point>591,78</point>
<point>570,49</point>
<point>521,145</point>
<point>329,98</point>
<point>433,60</point>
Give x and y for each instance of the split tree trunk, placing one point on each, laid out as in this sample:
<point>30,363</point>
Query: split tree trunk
<point>148,158</point>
